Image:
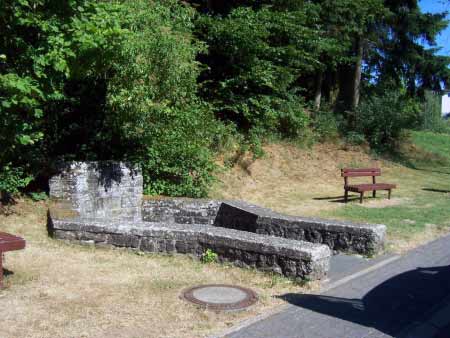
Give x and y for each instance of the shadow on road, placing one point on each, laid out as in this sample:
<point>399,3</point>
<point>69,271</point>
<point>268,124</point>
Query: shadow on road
<point>389,307</point>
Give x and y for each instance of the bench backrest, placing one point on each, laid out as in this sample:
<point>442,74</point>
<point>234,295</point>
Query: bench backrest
<point>349,172</point>
<point>360,172</point>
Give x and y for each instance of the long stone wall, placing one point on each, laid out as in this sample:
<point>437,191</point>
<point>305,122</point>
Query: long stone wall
<point>291,258</point>
<point>339,236</point>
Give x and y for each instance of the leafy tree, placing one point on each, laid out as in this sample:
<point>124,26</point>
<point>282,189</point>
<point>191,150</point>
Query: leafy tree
<point>41,42</point>
<point>152,102</point>
<point>255,58</point>
<point>400,56</point>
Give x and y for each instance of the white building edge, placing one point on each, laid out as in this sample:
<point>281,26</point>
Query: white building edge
<point>445,104</point>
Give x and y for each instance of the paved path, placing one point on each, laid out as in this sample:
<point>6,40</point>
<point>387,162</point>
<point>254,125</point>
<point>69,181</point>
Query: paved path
<point>400,299</point>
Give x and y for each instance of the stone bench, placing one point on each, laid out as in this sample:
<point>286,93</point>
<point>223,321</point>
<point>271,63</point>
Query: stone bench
<point>345,236</point>
<point>292,258</point>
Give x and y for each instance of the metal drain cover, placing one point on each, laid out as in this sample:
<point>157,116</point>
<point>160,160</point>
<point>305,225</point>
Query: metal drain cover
<point>220,297</point>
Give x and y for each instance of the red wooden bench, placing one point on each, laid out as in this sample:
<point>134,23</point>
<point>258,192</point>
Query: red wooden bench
<point>362,188</point>
<point>8,242</point>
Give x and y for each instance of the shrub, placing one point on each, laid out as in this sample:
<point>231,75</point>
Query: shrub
<point>11,180</point>
<point>152,101</point>
<point>209,256</point>
<point>38,196</point>
<point>432,119</point>
<point>325,125</point>
<point>383,118</point>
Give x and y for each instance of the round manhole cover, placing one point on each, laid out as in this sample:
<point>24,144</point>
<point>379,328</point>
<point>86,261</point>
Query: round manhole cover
<point>221,297</point>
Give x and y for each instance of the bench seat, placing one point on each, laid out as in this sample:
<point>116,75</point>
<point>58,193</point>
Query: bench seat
<point>8,242</point>
<point>362,188</point>
<point>370,187</point>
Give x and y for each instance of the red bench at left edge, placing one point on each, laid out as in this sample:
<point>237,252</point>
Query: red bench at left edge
<point>8,242</point>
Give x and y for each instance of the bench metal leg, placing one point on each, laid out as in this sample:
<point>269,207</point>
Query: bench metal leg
<point>1,270</point>
<point>361,196</point>
<point>389,194</point>
<point>346,196</point>
<point>374,193</point>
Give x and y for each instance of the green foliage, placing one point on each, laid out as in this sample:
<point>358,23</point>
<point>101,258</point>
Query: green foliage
<point>38,196</point>
<point>432,119</point>
<point>12,179</point>
<point>209,256</point>
<point>433,143</point>
<point>45,45</point>
<point>405,50</point>
<point>355,138</point>
<point>152,100</point>
<point>255,56</point>
<point>326,125</point>
<point>21,113</point>
<point>383,118</point>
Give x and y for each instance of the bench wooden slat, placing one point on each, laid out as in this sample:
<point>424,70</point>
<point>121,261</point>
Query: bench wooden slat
<point>360,170</point>
<point>370,187</point>
<point>362,188</point>
<point>361,174</point>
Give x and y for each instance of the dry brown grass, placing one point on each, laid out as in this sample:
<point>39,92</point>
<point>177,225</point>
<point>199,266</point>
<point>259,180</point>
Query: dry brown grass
<point>66,290</point>
<point>293,180</point>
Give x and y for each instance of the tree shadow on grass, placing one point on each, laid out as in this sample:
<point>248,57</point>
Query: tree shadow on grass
<point>436,190</point>
<point>337,199</point>
<point>390,306</point>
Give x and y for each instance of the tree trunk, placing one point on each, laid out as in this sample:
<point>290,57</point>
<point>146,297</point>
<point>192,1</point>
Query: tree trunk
<point>358,73</point>
<point>318,90</point>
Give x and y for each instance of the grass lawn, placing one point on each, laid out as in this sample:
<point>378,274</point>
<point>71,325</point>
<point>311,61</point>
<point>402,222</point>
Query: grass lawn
<point>434,143</point>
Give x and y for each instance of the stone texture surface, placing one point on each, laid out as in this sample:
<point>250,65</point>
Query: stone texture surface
<point>101,190</point>
<point>180,210</point>
<point>101,203</point>
<point>291,258</point>
<point>339,236</point>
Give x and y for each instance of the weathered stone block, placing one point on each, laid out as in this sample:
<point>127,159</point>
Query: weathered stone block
<point>99,190</point>
<point>180,210</point>
<point>339,236</point>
